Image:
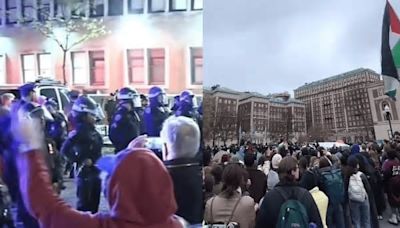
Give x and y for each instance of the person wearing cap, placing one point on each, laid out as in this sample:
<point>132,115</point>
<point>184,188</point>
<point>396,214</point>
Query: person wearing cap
<point>56,129</point>
<point>110,106</point>
<point>156,113</point>
<point>125,176</point>
<point>125,125</point>
<point>83,147</point>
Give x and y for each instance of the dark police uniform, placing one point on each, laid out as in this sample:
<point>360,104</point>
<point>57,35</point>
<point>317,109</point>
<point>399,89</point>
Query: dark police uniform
<point>57,129</point>
<point>82,144</point>
<point>124,128</point>
<point>154,118</point>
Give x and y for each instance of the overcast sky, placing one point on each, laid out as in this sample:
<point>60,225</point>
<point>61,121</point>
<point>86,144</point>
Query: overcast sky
<point>280,45</point>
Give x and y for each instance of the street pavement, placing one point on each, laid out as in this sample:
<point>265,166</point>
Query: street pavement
<point>69,195</point>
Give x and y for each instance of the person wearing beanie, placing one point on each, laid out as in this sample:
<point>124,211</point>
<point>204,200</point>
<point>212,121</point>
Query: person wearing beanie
<point>273,178</point>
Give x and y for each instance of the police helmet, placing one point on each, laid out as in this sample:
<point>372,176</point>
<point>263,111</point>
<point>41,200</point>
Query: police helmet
<point>188,96</point>
<point>159,95</point>
<point>129,95</point>
<point>85,104</point>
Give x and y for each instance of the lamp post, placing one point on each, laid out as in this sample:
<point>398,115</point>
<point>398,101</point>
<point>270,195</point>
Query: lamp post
<point>386,110</point>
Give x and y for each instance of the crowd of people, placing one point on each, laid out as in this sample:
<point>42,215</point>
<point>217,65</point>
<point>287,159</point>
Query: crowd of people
<point>291,185</point>
<point>40,144</point>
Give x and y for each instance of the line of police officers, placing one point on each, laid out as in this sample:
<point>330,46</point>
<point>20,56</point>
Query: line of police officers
<point>83,145</point>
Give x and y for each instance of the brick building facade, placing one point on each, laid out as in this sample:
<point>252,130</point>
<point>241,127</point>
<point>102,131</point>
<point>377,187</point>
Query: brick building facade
<point>152,42</point>
<point>339,107</point>
<point>231,115</point>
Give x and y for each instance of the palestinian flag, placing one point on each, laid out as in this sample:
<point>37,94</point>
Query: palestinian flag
<point>390,49</point>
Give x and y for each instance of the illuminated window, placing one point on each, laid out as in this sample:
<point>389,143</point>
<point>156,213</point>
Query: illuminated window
<point>28,68</point>
<point>78,8</point>
<point>178,5</point>
<point>136,66</point>
<point>3,75</point>
<point>96,67</point>
<point>196,66</point>
<point>79,68</point>
<point>156,66</point>
<point>115,7</point>
<point>11,9</point>
<point>156,6</point>
<point>135,6</point>
<point>45,65</point>
<point>96,8</point>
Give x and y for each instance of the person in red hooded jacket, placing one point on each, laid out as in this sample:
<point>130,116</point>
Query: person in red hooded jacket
<point>138,187</point>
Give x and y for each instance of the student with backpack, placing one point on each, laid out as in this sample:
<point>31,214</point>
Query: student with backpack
<point>331,183</point>
<point>288,205</point>
<point>358,195</point>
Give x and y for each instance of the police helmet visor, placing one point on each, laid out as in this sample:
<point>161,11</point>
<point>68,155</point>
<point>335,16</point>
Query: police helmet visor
<point>96,112</point>
<point>134,97</point>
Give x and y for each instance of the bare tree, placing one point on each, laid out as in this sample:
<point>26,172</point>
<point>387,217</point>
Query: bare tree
<point>209,118</point>
<point>68,27</point>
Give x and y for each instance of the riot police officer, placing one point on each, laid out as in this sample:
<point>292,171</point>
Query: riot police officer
<point>56,129</point>
<point>187,105</point>
<point>156,112</point>
<point>125,125</point>
<point>83,147</point>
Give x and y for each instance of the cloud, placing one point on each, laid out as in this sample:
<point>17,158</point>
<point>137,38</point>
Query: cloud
<point>274,46</point>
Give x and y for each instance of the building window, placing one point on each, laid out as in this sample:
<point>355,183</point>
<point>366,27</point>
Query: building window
<point>96,67</point>
<point>44,10</point>
<point>156,6</point>
<point>79,70</point>
<point>136,66</point>
<point>96,8</point>
<point>28,68</point>
<point>156,66</point>
<point>78,9</point>
<point>36,65</point>
<point>196,64</point>
<point>115,7</point>
<point>197,4</point>
<point>3,79</point>
<point>11,9</point>
<point>178,5</point>
<point>44,63</point>
<point>27,10</point>
<point>135,6</point>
